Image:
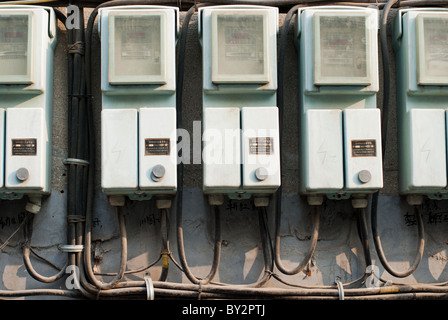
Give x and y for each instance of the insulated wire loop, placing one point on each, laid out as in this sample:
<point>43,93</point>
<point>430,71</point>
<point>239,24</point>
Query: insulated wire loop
<point>384,120</point>
<point>280,104</point>
<point>26,256</point>
<point>179,207</point>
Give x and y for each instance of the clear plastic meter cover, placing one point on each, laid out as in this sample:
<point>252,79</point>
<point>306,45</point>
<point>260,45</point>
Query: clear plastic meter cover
<point>240,45</point>
<point>435,47</point>
<point>137,46</point>
<point>343,49</point>
<point>14,45</point>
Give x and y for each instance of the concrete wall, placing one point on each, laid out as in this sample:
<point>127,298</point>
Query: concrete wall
<point>339,252</point>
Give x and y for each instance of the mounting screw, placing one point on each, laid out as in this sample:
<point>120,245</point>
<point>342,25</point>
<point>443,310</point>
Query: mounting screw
<point>22,174</point>
<point>364,176</point>
<point>261,174</point>
<point>158,172</point>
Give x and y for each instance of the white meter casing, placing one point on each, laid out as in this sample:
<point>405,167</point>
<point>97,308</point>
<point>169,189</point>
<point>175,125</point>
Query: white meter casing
<point>138,137</point>
<point>420,39</point>
<point>27,42</point>
<point>241,147</point>
<point>340,122</point>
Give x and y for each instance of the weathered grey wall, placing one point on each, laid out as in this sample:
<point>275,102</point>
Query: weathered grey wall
<point>338,254</point>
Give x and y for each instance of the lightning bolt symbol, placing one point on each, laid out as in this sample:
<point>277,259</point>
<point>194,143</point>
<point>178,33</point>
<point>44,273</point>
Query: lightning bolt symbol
<point>322,152</point>
<point>116,151</point>
<point>425,149</point>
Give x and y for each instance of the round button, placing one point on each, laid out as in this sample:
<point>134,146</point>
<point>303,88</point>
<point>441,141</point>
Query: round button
<point>158,172</point>
<point>261,174</point>
<point>22,174</point>
<point>364,176</point>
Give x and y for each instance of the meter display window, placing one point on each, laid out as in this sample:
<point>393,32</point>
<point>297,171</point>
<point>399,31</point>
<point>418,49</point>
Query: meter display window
<point>341,45</point>
<point>239,52</point>
<point>432,48</point>
<point>15,47</point>
<point>136,49</point>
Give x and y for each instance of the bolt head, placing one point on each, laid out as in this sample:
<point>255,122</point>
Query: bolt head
<point>261,174</point>
<point>22,174</point>
<point>364,176</point>
<point>158,172</point>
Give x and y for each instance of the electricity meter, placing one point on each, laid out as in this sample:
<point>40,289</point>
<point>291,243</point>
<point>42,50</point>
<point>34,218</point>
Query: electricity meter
<point>240,115</point>
<point>239,47</point>
<point>138,67</point>
<point>27,42</point>
<point>136,50</point>
<point>340,123</point>
<point>420,44</point>
<point>342,49</point>
<point>15,47</point>
<point>432,44</point>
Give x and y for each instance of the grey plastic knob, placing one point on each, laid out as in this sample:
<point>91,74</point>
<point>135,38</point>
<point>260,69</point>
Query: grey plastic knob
<point>364,176</point>
<point>22,174</point>
<point>158,172</point>
<point>261,174</point>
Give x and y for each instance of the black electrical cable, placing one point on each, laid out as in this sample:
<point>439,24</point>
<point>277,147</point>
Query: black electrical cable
<point>420,247</point>
<point>384,120</point>
<point>165,244</point>
<point>28,232</point>
<point>179,199</point>
<point>313,245</point>
<point>363,231</point>
<point>268,252</point>
<point>123,257</point>
<point>216,249</point>
<point>280,105</point>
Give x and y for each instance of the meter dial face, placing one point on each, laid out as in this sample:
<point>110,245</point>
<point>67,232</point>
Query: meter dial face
<point>433,49</point>
<point>342,50</point>
<point>137,46</point>
<point>14,55</point>
<point>240,48</point>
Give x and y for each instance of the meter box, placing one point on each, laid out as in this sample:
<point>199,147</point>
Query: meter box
<point>363,166</point>
<point>221,150</point>
<point>27,43</point>
<point>420,43</point>
<point>241,149</point>
<point>138,137</point>
<point>157,149</point>
<point>322,157</point>
<point>261,149</point>
<point>119,149</point>
<point>340,123</point>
